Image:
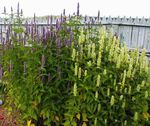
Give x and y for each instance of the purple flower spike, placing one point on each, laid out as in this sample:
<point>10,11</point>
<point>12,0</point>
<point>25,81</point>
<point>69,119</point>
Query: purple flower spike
<point>59,43</point>
<point>15,35</point>
<point>93,22</point>
<point>69,29</point>
<point>85,18</point>
<point>51,34</point>
<point>27,27</point>
<point>48,20</point>
<point>38,37</point>
<point>35,28</point>
<point>11,13</point>
<point>51,19</point>
<point>11,10</point>
<point>7,35</point>
<point>32,32</point>
<point>21,12</point>
<point>24,39</point>
<point>64,12</point>
<point>57,24</point>
<point>71,36</point>
<point>4,10</point>
<point>1,35</point>
<point>44,33</point>
<point>98,15</point>
<point>65,42</point>
<point>34,18</point>
<point>47,34</point>
<point>78,9</point>
<point>18,9</point>
<point>20,37</point>
<point>69,17</point>
<point>61,18</point>
<point>68,42</point>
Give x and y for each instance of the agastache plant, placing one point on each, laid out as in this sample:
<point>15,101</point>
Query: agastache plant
<point>73,75</point>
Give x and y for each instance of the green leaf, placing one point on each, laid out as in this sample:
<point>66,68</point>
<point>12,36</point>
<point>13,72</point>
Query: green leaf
<point>67,123</point>
<point>74,123</point>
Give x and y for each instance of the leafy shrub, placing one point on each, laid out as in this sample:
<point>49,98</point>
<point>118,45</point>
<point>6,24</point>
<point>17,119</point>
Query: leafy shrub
<point>76,76</point>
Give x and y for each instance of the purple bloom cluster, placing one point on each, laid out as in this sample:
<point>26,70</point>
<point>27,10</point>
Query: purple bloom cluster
<point>33,31</point>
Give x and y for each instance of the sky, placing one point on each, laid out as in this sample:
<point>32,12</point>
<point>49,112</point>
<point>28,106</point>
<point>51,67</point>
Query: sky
<point>113,8</point>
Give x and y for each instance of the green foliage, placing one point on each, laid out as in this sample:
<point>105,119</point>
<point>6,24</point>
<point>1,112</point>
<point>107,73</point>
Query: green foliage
<point>93,81</point>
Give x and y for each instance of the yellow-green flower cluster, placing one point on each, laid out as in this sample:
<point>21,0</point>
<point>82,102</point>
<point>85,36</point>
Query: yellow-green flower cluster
<point>81,37</point>
<point>143,62</point>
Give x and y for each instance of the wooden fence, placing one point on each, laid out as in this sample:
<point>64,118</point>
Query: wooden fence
<point>135,32</point>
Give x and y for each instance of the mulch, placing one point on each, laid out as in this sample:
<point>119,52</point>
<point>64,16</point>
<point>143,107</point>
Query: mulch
<point>6,120</point>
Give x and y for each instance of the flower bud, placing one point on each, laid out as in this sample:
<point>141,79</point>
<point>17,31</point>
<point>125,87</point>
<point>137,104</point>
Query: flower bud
<point>137,59</point>
<point>73,54</point>
<point>95,122</point>
<point>118,62</point>
<point>121,97</point>
<point>93,48</point>
<point>89,63</point>
<point>129,91</point>
<point>81,51</point>
<point>112,101</point>
<point>133,73</point>
<point>85,73</point>
<point>96,95</point>
<point>125,123</point>
<point>146,94</point>
<point>105,121</point>
<point>114,82</point>
<point>129,71</point>
<point>125,90</point>
<point>75,89</point>
<point>79,73</point>
<point>76,69</point>
<point>80,39</point>
<point>108,91</point>
<point>124,78</point>
<point>116,88</point>
<point>98,81</point>
<point>105,72</point>
<point>138,88</point>
<point>99,59</point>
<point>133,98</point>
<point>99,107</point>
<point>94,57</point>
<point>135,116</point>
